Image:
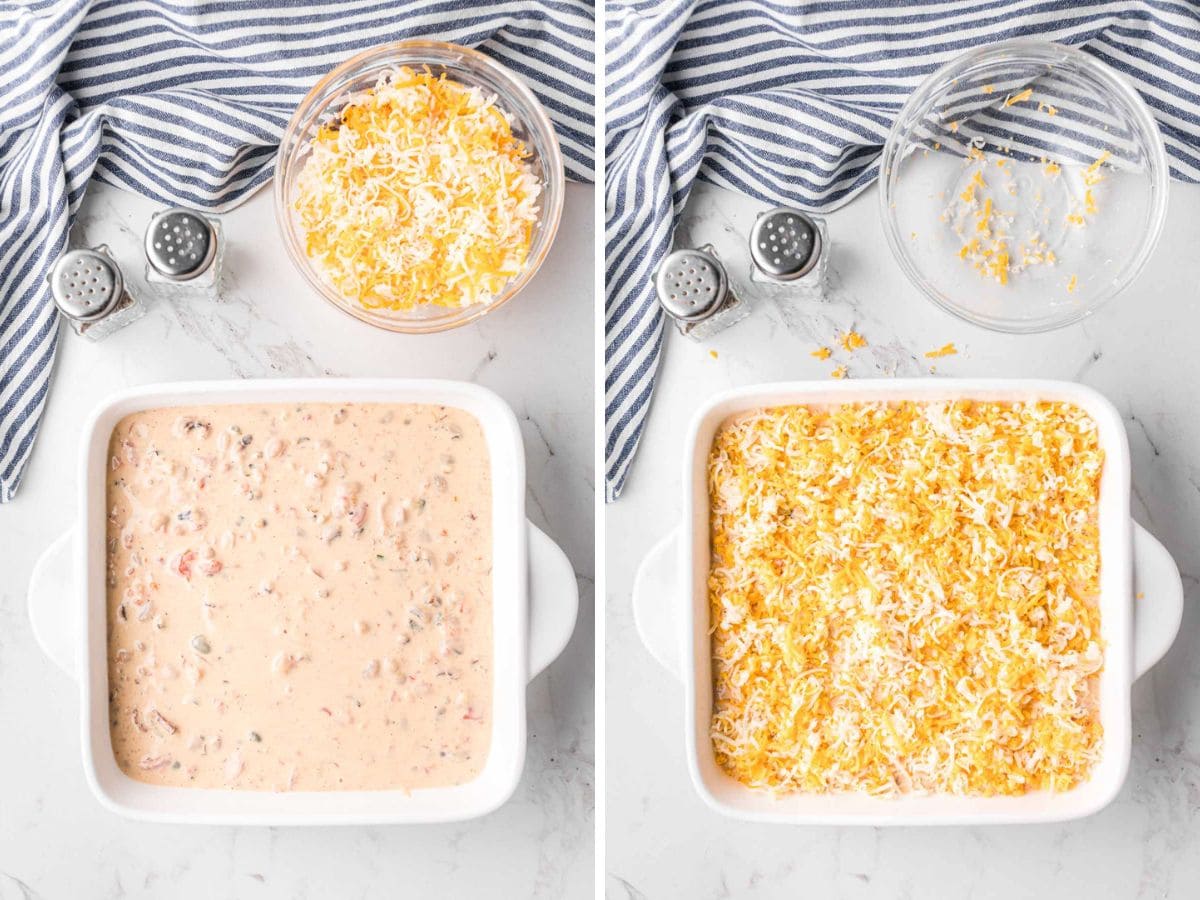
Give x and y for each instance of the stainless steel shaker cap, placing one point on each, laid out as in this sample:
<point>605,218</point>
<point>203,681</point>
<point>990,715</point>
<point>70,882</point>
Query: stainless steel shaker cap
<point>86,284</point>
<point>692,284</point>
<point>785,243</point>
<point>180,244</point>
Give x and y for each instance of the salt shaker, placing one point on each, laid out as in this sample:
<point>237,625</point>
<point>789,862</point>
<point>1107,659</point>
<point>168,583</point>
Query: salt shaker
<point>792,247</point>
<point>693,289</point>
<point>184,252</point>
<point>91,293</point>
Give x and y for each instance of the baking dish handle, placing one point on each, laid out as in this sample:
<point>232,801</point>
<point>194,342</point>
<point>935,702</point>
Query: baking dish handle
<point>654,599</point>
<point>553,600</point>
<point>51,603</point>
<point>1158,600</point>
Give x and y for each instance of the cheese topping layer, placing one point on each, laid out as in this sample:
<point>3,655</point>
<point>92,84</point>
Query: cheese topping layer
<point>419,194</point>
<point>903,597</point>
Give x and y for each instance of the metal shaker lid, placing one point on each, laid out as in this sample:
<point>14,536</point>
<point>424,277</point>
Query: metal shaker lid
<point>180,244</point>
<point>785,243</point>
<point>86,284</point>
<point>692,284</point>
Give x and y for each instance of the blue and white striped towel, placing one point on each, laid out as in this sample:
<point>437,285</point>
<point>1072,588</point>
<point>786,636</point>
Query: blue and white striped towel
<point>184,102</point>
<point>791,102</point>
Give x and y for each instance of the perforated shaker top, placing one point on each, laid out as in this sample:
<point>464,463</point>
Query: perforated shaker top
<point>785,243</point>
<point>692,285</point>
<point>180,244</point>
<point>86,284</point>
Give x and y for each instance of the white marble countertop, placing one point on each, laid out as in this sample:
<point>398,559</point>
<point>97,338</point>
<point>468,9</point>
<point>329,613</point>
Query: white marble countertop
<point>662,842</point>
<point>537,352</point>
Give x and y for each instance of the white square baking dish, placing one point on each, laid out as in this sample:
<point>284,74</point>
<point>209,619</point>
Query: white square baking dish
<point>535,600</point>
<point>670,604</point>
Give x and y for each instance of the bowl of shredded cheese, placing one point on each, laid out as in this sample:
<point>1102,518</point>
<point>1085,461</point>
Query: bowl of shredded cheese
<point>1023,186</point>
<point>419,186</point>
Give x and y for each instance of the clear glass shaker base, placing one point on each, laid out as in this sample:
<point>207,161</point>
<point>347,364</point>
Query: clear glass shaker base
<point>129,310</point>
<point>734,310</point>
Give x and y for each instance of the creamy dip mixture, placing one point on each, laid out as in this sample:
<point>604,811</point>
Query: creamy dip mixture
<point>299,596</point>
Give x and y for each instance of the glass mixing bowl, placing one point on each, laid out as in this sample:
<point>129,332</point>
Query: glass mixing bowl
<point>1023,185</point>
<point>324,103</point>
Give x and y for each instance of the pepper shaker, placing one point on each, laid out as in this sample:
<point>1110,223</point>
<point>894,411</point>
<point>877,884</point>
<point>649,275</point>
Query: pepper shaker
<point>90,291</point>
<point>184,253</point>
<point>790,246</point>
<point>693,289</point>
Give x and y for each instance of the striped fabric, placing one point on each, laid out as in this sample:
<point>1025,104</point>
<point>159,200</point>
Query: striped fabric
<point>184,102</point>
<point>791,103</point>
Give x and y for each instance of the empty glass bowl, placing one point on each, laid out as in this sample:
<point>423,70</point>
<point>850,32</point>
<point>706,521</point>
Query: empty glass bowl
<point>1023,185</point>
<point>325,102</point>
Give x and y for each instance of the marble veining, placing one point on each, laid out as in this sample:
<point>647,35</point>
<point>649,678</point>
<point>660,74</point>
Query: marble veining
<point>1140,352</point>
<point>56,841</point>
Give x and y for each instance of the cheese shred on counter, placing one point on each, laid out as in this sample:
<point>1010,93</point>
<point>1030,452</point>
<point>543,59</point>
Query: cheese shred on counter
<point>419,194</point>
<point>903,598</point>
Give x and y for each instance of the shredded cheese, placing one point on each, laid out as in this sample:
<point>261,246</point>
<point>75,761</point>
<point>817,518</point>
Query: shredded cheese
<point>420,194</point>
<point>990,216</point>
<point>822,353</point>
<point>902,598</point>
<point>852,340</point>
<point>1093,175</point>
<point>1019,98</point>
<point>968,194</point>
<point>944,350</point>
